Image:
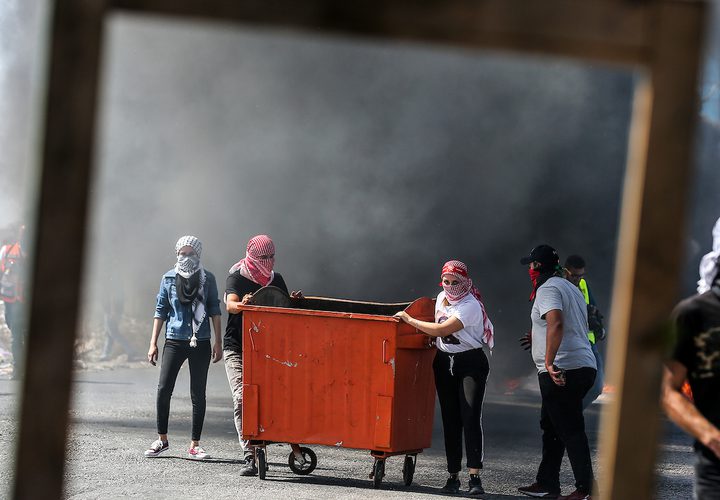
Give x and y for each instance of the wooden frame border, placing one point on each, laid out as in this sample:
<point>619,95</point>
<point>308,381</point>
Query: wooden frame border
<point>662,36</point>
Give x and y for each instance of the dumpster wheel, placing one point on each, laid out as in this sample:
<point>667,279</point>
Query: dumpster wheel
<point>378,472</point>
<point>310,461</point>
<point>261,462</point>
<point>409,469</point>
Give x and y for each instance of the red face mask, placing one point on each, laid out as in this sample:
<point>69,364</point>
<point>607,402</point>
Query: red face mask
<point>534,275</point>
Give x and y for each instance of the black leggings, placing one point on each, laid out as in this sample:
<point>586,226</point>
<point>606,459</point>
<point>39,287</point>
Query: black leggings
<point>174,355</point>
<point>460,382</point>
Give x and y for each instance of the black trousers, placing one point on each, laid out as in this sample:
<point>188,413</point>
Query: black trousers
<point>174,355</point>
<point>563,426</point>
<point>460,383</point>
<point>707,478</point>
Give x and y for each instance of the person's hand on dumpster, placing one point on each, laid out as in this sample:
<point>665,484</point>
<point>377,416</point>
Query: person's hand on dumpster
<point>297,294</point>
<point>526,341</point>
<point>402,315</point>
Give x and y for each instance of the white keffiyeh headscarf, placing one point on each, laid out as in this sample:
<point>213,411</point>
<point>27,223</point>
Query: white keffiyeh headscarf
<point>709,262</point>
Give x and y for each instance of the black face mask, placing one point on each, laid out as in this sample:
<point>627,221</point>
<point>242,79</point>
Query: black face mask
<point>187,288</point>
<point>547,271</point>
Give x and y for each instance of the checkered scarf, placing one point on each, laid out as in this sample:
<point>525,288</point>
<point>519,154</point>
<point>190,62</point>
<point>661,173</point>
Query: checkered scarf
<point>455,293</point>
<point>252,266</point>
<point>189,241</point>
<point>186,267</point>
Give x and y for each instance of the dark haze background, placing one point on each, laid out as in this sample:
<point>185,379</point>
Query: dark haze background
<point>370,164</point>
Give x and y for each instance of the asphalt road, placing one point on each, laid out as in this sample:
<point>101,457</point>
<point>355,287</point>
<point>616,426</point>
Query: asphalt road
<point>113,422</point>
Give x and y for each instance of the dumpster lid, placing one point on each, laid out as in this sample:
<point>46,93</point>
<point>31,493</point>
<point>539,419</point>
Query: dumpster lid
<point>277,299</point>
<point>270,296</point>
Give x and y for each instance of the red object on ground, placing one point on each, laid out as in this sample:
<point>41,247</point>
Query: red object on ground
<point>338,378</point>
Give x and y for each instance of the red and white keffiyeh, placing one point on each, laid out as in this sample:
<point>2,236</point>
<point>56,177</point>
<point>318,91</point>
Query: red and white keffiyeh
<point>253,267</point>
<point>455,293</point>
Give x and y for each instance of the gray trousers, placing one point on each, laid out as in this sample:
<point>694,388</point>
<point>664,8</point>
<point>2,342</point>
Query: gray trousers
<point>233,368</point>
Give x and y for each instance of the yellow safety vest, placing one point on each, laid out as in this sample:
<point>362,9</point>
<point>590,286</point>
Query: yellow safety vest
<point>584,289</point>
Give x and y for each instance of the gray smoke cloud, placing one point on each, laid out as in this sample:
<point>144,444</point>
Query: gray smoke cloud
<point>19,35</point>
<point>369,164</point>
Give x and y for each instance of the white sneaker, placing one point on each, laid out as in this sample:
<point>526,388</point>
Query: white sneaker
<point>156,448</point>
<point>197,453</point>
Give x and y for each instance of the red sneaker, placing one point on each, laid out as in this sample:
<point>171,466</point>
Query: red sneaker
<point>197,453</point>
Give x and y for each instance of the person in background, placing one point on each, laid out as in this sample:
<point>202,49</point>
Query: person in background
<point>696,358</point>
<point>246,277</point>
<point>12,292</point>
<point>187,302</point>
<point>112,301</point>
<point>575,268</point>
<point>566,372</point>
<point>462,329</point>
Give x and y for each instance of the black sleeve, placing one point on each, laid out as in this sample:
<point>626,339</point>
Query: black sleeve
<point>685,325</point>
<point>234,285</point>
<point>279,282</point>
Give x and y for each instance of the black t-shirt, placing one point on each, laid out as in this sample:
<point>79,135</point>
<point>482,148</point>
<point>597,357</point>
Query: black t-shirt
<point>698,349</point>
<point>240,286</point>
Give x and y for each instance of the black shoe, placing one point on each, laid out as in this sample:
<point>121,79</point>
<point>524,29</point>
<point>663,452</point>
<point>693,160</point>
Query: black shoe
<point>537,491</point>
<point>475,486</point>
<point>452,485</point>
<point>249,469</point>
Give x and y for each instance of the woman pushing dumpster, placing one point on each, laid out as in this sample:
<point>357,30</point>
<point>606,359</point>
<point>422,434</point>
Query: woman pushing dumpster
<point>461,368</point>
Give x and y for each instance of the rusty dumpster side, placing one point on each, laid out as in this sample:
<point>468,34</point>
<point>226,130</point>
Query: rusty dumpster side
<point>340,379</point>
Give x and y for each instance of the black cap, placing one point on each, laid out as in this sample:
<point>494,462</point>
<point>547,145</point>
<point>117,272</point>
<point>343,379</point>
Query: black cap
<point>544,254</point>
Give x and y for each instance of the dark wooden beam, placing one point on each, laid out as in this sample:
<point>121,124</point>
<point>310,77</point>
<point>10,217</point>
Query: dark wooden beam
<point>612,31</point>
<point>662,35</point>
<point>650,251</point>
<point>67,153</point>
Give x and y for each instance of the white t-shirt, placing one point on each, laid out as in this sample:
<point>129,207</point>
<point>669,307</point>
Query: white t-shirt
<point>469,312</point>
<point>575,351</point>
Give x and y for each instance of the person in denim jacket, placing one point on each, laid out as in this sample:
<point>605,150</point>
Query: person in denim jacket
<point>187,302</point>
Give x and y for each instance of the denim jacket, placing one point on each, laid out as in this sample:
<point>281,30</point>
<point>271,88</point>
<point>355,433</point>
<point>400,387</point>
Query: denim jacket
<point>178,317</point>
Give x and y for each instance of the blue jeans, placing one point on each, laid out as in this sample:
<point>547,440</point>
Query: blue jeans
<point>597,387</point>
<point>707,478</point>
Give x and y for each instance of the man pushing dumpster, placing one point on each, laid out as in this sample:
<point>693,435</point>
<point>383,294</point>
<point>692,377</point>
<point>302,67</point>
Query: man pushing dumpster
<point>245,278</point>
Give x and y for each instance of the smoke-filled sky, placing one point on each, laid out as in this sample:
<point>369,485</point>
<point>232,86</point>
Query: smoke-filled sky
<point>19,34</point>
<point>370,164</point>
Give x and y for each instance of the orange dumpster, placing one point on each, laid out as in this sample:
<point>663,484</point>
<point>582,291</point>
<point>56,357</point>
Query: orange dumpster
<point>338,373</point>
